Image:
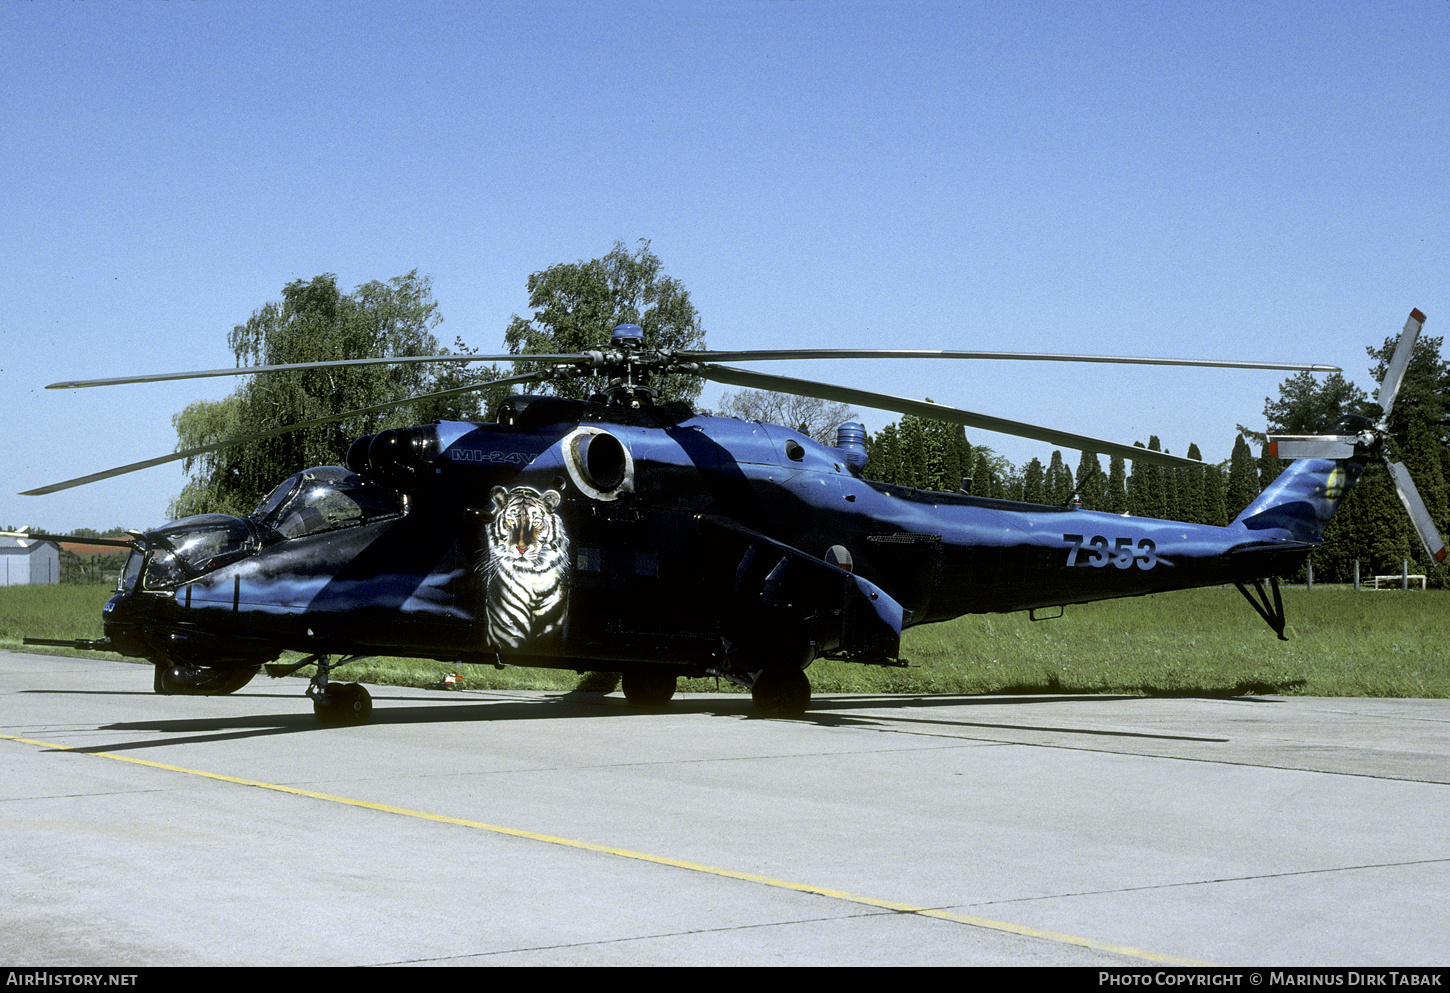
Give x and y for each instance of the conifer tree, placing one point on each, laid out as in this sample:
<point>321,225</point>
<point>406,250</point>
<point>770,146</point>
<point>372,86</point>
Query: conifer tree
<point>885,457</point>
<point>1090,481</point>
<point>1058,483</point>
<point>913,451</point>
<point>1172,477</point>
<point>1192,501</point>
<point>984,482</point>
<point>1032,483</point>
<point>1215,510</point>
<point>1115,497</point>
<point>1243,478</point>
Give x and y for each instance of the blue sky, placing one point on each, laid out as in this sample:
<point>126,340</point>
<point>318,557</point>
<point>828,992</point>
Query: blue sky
<point>1263,180</point>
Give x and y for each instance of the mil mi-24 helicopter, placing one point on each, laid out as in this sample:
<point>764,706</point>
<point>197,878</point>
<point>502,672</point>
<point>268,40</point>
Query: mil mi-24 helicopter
<point>625,534</point>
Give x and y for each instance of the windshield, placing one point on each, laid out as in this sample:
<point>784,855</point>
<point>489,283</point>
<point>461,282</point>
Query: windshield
<point>194,546</point>
<point>130,572</point>
<point>322,499</point>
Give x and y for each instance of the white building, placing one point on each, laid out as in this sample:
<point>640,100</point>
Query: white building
<point>25,561</point>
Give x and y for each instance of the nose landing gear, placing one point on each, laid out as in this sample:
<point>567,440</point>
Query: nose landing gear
<point>342,704</point>
<point>335,704</point>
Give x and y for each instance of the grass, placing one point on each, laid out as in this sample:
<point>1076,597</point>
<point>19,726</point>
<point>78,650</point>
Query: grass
<point>1192,642</point>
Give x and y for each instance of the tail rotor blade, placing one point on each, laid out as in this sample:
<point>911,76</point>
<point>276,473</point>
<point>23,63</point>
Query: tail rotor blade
<point>1399,362</point>
<point>1419,516</point>
<point>1312,446</point>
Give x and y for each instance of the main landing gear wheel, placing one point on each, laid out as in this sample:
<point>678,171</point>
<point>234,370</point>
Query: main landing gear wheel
<point>343,704</point>
<point>781,693</point>
<point>648,687</point>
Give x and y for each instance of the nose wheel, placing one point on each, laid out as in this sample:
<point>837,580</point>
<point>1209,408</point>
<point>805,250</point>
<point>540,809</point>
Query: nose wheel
<point>335,704</point>
<point>342,704</point>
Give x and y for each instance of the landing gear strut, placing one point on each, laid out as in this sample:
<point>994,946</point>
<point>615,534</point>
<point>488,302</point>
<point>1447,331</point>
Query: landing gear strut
<point>335,704</point>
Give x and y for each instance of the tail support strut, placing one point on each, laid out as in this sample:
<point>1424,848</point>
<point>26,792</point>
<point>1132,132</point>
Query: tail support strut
<point>1272,613</point>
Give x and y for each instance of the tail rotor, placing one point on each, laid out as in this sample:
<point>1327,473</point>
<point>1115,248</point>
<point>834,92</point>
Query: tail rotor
<point>1369,441</point>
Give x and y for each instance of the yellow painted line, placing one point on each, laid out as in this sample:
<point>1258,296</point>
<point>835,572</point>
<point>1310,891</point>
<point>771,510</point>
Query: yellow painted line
<point>904,908</point>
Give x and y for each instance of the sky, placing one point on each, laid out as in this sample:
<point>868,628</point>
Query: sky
<point>1258,180</point>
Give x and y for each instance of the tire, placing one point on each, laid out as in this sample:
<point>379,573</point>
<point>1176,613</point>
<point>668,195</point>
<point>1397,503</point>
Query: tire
<point>343,705</point>
<point>649,687</point>
<point>781,693</point>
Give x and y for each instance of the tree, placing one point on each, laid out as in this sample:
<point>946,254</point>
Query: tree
<point>1115,497</point>
<point>1033,482</point>
<point>577,305</point>
<point>1146,493</point>
<point>1058,482</point>
<point>315,322</point>
<point>912,468</point>
<point>1424,394</point>
<point>991,473</point>
<point>808,415</point>
<point>1306,406</point>
<point>1090,482</point>
<point>1215,510</point>
<point>884,455</point>
<point>1243,478</point>
<point>1191,482</point>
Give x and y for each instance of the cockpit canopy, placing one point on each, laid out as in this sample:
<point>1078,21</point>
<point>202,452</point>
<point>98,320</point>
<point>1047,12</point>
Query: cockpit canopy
<point>305,503</point>
<point>322,499</point>
<point>191,547</point>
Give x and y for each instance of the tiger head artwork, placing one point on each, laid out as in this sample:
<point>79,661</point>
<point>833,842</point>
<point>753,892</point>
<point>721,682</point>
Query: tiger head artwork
<point>525,566</point>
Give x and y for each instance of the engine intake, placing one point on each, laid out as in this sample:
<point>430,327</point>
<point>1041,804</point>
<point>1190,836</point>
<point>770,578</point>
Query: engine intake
<point>393,457</point>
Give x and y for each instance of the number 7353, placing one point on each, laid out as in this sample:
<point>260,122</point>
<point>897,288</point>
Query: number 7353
<point>1101,550</point>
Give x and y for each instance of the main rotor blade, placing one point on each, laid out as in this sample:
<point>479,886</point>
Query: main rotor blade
<point>779,354</point>
<point>1399,362</point>
<point>272,433</point>
<point>1419,515</point>
<point>334,364</point>
<point>937,412</point>
<point>69,539</point>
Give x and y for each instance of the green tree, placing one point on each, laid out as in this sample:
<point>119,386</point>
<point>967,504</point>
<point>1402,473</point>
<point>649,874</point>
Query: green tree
<point>1115,496</point>
<point>1090,482</point>
<point>1424,394</point>
<point>1058,482</point>
<point>1308,406</point>
<point>1215,509</point>
<point>1034,478</point>
<point>912,468</point>
<point>577,305</point>
<point>1192,505</point>
<point>947,455</point>
<point>986,478</point>
<point>884,457</point>
<point>315,322</point>
<point>1146,493</point>
<point>1243,478</point>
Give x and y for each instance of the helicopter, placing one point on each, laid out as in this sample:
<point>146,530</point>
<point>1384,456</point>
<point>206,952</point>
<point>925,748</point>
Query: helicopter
<point>623,533</point>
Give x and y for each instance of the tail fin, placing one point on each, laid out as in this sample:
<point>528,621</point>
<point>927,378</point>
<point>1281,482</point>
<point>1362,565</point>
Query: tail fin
<point>1303,499</point>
